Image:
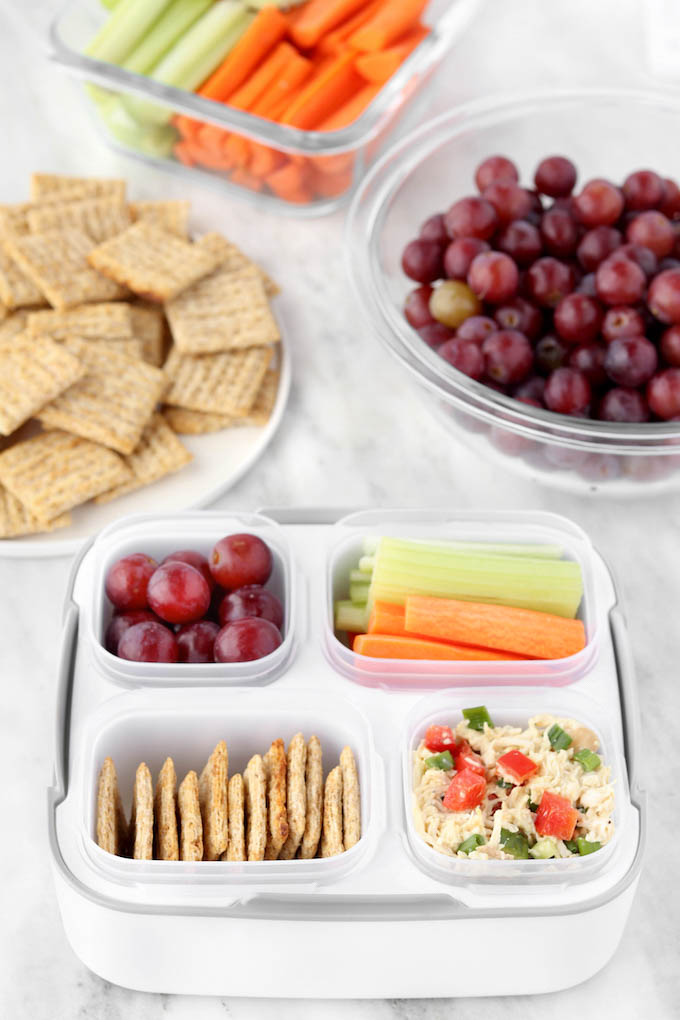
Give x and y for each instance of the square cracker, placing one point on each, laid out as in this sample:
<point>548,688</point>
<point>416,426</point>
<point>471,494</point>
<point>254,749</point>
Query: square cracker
<point>277,829</point>
<point>236,849</point>
<point>149,326</point>
<point>190,824</point>
<point>255,790</point>
<point>171,215</point>
<point>232,258</point>
<point>212,792</point>
<point>55,471</point>
<point>12,325</point>
<point>198,423</point>
<point>223,311</point>
<point>165,813</point>
<point>152,262</point>
<point>296,796</point>
<point>314,812</point>
<point>16,520</point>
<point>111,826</point>
<point>225,383</point>
<point>141,820</point>
<point>56,262</point>
<point>56,186</point>
<point>158,453</point>
<point>33,371</point>
<point>331,833</point>
<point>351,802</point>
<point>112,402</point>
<point>110,320</point>
<point>17,290</point>
<point>99,218</point>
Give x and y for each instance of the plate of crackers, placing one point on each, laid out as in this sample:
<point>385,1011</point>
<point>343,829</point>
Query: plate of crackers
<point>140,367</point>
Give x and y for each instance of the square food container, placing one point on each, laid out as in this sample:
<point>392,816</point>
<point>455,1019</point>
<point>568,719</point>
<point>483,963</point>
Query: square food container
<point>191,927</point>
<point>328,164</point>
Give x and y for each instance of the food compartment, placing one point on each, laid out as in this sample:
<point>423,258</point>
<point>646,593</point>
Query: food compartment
<point>158,537</point>
<point>515,708</point>
<point>520,531</point>
<point>149,727</point>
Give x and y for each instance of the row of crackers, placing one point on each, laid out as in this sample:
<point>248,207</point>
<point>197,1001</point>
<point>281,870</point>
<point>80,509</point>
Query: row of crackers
<point>278,809</point>
<point>91,369</point>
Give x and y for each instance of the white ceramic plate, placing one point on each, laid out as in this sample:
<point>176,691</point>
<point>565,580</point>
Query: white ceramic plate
<point>220,459</point>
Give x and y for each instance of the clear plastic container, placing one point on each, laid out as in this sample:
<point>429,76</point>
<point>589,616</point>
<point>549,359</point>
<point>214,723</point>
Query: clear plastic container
<point>346,546</point>
<point>607,134</point>
<point>330,163</point>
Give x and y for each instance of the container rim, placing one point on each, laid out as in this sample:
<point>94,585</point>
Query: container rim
<point>365,219</point>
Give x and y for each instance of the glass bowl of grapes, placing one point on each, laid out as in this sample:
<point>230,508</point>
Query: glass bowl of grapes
<point>520,257</point>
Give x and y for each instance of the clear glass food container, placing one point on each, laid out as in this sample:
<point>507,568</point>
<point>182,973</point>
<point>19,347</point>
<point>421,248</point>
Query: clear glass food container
<point>607,134</point>
<point>307,172</point>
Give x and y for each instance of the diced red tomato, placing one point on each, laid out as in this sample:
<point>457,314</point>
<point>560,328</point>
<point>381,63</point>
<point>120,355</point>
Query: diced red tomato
<point>440,738</point>
<point>466,758</point>
<point>516,767</point>
<point>555,816</point>
<point>466,790</point>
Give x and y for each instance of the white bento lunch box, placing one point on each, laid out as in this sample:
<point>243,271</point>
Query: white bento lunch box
<point>390,918</point>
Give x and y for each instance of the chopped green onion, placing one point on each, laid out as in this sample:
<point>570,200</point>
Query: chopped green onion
<point>531,805</point>
<point>442,761</point>
<point>544,849</point>
<point>515,843</point>
<point>582,809</point>
<point>588,760</point>
<point>559,740</point>
<point>476,717</point>
<point>584,847</point>
<point>571,845</point>
<point>503,784</point>
<point>471,843</point>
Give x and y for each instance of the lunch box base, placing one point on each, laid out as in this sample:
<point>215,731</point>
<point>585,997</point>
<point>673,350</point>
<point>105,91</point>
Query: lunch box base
<point>305,958</point>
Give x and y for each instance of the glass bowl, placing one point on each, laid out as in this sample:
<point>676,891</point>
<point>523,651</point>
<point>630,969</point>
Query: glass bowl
<point>607,134</point>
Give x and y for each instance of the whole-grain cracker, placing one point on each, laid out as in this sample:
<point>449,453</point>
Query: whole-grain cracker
<point>158,453</point>
<point>277,816</point>
<point>169,214</point>
<point>17,290</point>
<point>55,471</point>
<point>224,383</point>
<point>232,258</point>
<point>199,423</point>
<point>149,326</point>
<point>351,799</point>
<point>141,820</point>
<point>236,849</point>
<point>255,790</point>
<point>150,261</point>
<point>165,813</point>
<point>63,186</point>
<point>212,788</point>
<point>314,809</point>
<point>296,796</point>
<point>111,825</point>
<point>99,218</point>
<point>110,320</point>
<point>190,824</point>
<point>331,834</point>
<point>33,371</point>
<point>12,325</point>
<point>16,520</point>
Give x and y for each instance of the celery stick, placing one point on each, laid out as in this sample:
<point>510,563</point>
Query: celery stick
<point>155,141</point>
<point>366,564</point>
<point>110,4</point>
<point>359,577</point>
<point>349,617</point>
<point>125,29</point>
<point>358,592</point>
<point>164,33</point>
<point>435,549</point>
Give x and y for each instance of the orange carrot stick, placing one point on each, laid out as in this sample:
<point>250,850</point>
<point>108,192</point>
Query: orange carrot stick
<point>211,137</point>
<point>383,646</point>
<point>343,116</point>
<point>262,79</point>
<point>379,67</point>
<point>324,94</point>
<point>333,41</point>
<point>522,631</point>
<point>387,618</point>
<point>320,16</point>
<point>246,180</point>
<point>267,29</point>
<point>387,25</point>
<point>290,182</point>
<point>331,185</point>
<point>183,153</point>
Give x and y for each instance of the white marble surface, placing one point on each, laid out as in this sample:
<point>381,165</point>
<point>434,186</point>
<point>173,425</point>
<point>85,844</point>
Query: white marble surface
<point>354,435</point>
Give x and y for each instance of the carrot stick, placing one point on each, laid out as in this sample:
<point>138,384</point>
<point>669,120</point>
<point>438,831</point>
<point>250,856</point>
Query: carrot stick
<point>236,151</point>
<point>379,67</point>
<point>383,646</point>
<point>290,183</point>
<point>333,41</point>
<point>187,126</point>
<point>246,180</point>
<point>212,137</point>
<point>264,160</point>
<point>345,115</point>
<point>262,79</point>
<point>268,28</point>
<point>182,151</point>
<point>331,185</point>
<point>387,618</point>
<point>324,94</point>
<point>320,16</point>
<point>522,631</point>
<point>387,25</point>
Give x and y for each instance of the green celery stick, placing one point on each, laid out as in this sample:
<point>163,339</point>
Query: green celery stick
<point>125,29</point>
<point>110,4</point>
<point>359,577</point>
<point>164,33</point>
<point>542,551</point>
<point>358,592</point>
<point>366,564</point>
<point>350,617</point>
<point>155,141</point>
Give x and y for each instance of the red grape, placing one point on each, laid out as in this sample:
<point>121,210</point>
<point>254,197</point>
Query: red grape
<point>417,309</point>
<point>622,321</point>
<point>663,393</point>
<point>471,217</point>
<point>493,277</point>
<point>459,255</point>
<point>250,602</point>
<point>520,315</point>
<point>643,257</point>
<point>619,280</point>
<point>509,200</point>
<point>643,189</point>
<point>664,296</point>
<point>495,168</point>
<point>465,355</point>
<point>555,176</point>
<point>549,281</point>
<point>196,641</point>
<point>422,261</point>
<point>631,360</point>
<point>559,232</point>
<point>600,203</point>
<point>434,229</point>
<point>670,346</point>
<point>652,230</point>
<point>242,559</point>
<point>578,318</point>
<point>521,241</point>
<point>623,405</point>
<point>476,328</point>
<point>507,356</point>
<point>567,391</point>
<point>670,206</point>
<point>596,245</point>
<point>586,285</point>
<point>179,593</point>
<point>550,353</point>
<point>435,333</point>
<point>120,622</point>
<point>128,579</point>
<point>194,559</point>
<point>148,642</point>
<point>531,391</point>
<point>245,640</point>
<point>669,263</point>
<point>589,359</point>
